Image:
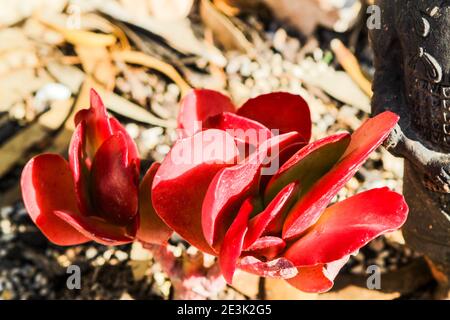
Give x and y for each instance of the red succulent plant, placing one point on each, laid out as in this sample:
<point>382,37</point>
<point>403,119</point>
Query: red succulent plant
<point>214,189</point>
<point>243,184</point>
<point>94,196</point>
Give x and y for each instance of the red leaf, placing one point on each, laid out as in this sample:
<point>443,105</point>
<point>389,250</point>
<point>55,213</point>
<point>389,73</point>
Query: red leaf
<point>349,225</point>
<point>152,229</point>
<point>229,187</point>
<point>280,268</point>
<point>183,178</point>
<point>114,182</point>
<point>232,185</point>
<point>271,216</point>
<point>266,247</point>
<point>243,129</point>
<point>278,161</point>
<point>197,106</point>
<point>232,243</point>
<point>309,164</point>
<point>133,153</point>
<point>47,186</point>
<point>100,230</point>
<point>80,165</point>
<point>319,278</point>
<point>280,110</point>
<point>98,128</point>
<point>364,141</point>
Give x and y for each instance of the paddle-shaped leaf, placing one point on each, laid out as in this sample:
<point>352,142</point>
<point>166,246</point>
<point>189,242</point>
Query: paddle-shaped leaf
<point>348,225</point>
<point>319,278</point>
<point>151,229</point>
<point>181,182</point>
<point>309,164</point>
<point>270,220</point>
<point>197,106</point>
<point>231,249</point>
<point>364,140</point>
<point>47,187</point>
<point>115,181</point>
<point>98,128</point>
<point>266,247</point>
<point>243,129</point>
<point>280,111</point>
<point>232,185</point>
<point>100,230</point>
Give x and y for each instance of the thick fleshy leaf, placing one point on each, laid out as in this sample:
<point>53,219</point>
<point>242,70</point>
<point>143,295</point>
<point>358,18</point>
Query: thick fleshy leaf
<point>277,162</point>
<point>287,153</point>
<point>243,129</point>
<point>309,164</point>
<point>363,142</point>
<point>348,225</point>
<point>47,186</point>
<point>181,182</point>
<point>98,128</point>
<point>270,221</point>
<point>233,241</point>
<point>370,135</point>
<point>115,182</point>
<point>280,268</point>
<point>133,153</point>
<point>319,278</point>
<point>197,106</point>
<point>266,247</point>
<point>80,165</point>
<point>227,190</point>
<point>100,230</point>
<point>280,111</point>
<point>93,128</point>
<point>232,185</point>
<point>151,228</point>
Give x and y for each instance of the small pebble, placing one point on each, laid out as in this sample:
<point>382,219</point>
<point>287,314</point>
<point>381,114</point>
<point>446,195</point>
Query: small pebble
<point>91,253</point>
<point>132,129</point>
<point>121,255</point>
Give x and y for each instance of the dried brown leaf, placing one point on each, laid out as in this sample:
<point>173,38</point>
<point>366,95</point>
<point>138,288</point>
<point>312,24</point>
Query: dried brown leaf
<point>226,33</point>
<point>70,76</point>
<point>351,65</point>
<point>82,37</point>
<point>97,62</point>
<point>140,58</point>
<point>178,33</point>
<point>170,9</point>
